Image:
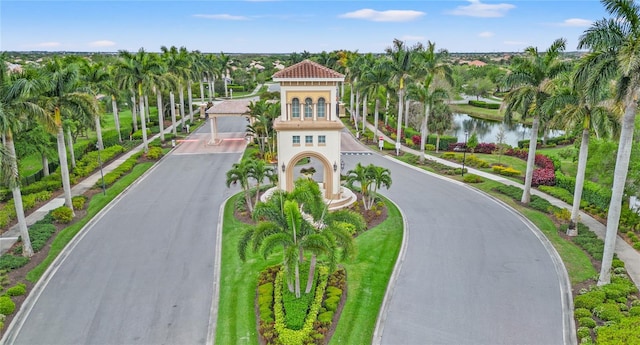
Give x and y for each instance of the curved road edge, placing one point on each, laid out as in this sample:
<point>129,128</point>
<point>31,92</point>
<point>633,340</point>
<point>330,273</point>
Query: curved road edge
<point>213,315</point>
<point>382,313</point>
<point>568,326</point>
<point>18,321</point>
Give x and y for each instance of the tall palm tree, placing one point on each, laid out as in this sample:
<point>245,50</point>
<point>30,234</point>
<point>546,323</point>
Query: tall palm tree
<point>403,67</point>
<point>259,171</point>
<point>16,105</point>
<point>614,45</point>
<point>94,75</point>
<point>578,112</point>
<point>177,62</point>
<point>239,173</point>
<point>528,82</point>
<point>139,71</point>
<point>375,80</point>
<point>62,100</point>
<point>437,76</point>
<point>370,178</point>
<point>224,63</point>
<point>112,89</point>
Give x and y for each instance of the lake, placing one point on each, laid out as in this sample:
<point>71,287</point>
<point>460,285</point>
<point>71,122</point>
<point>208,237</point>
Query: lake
<point>487,131</point>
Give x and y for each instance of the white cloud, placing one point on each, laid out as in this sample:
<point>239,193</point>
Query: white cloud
<point>102,43</point>
<point>486,34</point>
<point>47,44</point>
<point>576,22</point>
<point>478,9</point>
<point>220,16</point>
<point>384,16</point>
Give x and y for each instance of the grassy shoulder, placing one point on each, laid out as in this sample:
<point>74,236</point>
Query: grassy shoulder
<point>368,275</point>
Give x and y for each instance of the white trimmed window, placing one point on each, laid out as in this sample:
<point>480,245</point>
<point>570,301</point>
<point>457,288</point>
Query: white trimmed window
<point>295,107</point>
<point>321,107</point>
<point>322,140</point>
<point>308,140</point>
<point>308,108</point>
<point>296,140</point>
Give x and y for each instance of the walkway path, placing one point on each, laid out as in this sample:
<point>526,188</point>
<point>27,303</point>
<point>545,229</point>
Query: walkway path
<point>625,252</point>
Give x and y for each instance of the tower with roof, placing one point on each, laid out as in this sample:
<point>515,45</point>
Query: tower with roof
<point>309,125</point>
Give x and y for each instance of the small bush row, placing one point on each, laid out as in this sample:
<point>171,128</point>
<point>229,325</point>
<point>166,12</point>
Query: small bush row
<point>123,169</point>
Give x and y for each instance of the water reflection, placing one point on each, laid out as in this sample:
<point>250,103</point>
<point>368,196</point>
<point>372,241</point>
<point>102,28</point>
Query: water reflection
<point>487,131</point>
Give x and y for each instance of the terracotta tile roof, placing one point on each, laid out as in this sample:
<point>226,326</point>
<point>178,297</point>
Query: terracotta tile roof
<point>229,107</point>
<point>307,69</point>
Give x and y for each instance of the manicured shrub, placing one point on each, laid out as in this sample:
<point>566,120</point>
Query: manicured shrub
<point>331,303</point>
<point>39,234</point>
<point>62,214</point>
<point>11,262</point>
<point>583,332</point>
<point>6,305</point>
<point>154,153</point>
<point>624,332</point>
<point>634,311</point>
<point>608,312</point>
<point>540,204</point>
<point>471,178</point>
<point>590,299</point>
<point>581,312</point>
<point>333,291</point>
<point>586,322</point>
<point>17,290</point>
<point>327,316</point>
<point>506,171</point>
<point>78,202</point>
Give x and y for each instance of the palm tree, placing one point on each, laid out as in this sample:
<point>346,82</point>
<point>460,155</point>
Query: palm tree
<point>529,81</point>
<point>224,63</point>
<point>15,107</point>
<point>139,71</point>
<point>374,83</point>
<point>112,89</point>
<point>259,170</point>
<point>615,55</point>
<point>62,100</point>
<point>402,66</point>
<point>579,112</point>
<point>239,173</point>
<point>436,72</point>
<point>177,62</point>
<point>440,122</point>
<point>94,76</point>
<point>370,178</point>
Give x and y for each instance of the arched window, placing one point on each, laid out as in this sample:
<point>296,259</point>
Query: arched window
<point>308,107</point>
<point>295,107</point>
<point>321,107</point>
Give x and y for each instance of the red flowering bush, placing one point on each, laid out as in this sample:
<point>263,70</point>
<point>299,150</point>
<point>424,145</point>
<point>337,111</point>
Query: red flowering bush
<point>487,148</point>
<point>543,177</point>
<point>416,140</point>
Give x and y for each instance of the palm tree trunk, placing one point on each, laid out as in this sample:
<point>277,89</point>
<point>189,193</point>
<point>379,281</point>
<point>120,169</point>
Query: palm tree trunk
<point>143,121</point>
<point>27,250</point>
<point>99,132</point>
<point>364,112</point>
<point>257,194</point>
<point>201,91</point>
<point>297,280</point>
<point>212,90</point>
<point>352,97</point>
<point>357,109</point>
<point>71,151</point>
<point>572,230</point>
<point>172,100</point>
<point>160,114</point>
<point>399,122</point>
<point>406,113</point>
<point>64,169</point>
<point>375,120</point>
<point>181,95</point>
<point>437,142</point>
<point>386,107</point>
<point>116,118</point>
<point>45,164</point>
<point>312,270</point>
<point>134,117</point>
<point>526,193</point>
<point>190,97</point>
<point>423,132</point>
<point>147,108</point>
<point>617,191</point>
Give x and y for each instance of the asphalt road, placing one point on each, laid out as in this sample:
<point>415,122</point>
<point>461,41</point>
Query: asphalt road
<point>144,272</point>
<point>474,272</point>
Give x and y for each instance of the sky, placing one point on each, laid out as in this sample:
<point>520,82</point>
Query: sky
<point>287,26</point>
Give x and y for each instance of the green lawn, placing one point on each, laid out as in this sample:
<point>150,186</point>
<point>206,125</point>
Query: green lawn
<point>368,274</point>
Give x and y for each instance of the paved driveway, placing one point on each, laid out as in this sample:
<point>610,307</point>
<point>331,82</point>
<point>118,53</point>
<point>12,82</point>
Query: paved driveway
<point>142,273</point>
<point>474,272</point>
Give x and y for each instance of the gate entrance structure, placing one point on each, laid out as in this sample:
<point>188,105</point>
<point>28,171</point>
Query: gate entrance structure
<point>309,126</point>
<point>234,108</point>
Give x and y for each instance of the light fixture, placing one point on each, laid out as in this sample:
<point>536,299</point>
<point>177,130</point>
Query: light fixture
<point>283,167</point>
<point>335,167</point>
<point>341,164</point>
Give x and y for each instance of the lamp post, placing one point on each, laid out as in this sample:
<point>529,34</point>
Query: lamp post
<point>464,153</point>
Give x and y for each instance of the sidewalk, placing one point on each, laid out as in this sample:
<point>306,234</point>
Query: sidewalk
<point>625,252</point>
<point>10,237</point>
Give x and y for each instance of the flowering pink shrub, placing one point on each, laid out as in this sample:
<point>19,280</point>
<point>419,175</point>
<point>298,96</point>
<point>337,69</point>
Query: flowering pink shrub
<point>416,140</point>
<point>487,148</point>
<point>543,177</point>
